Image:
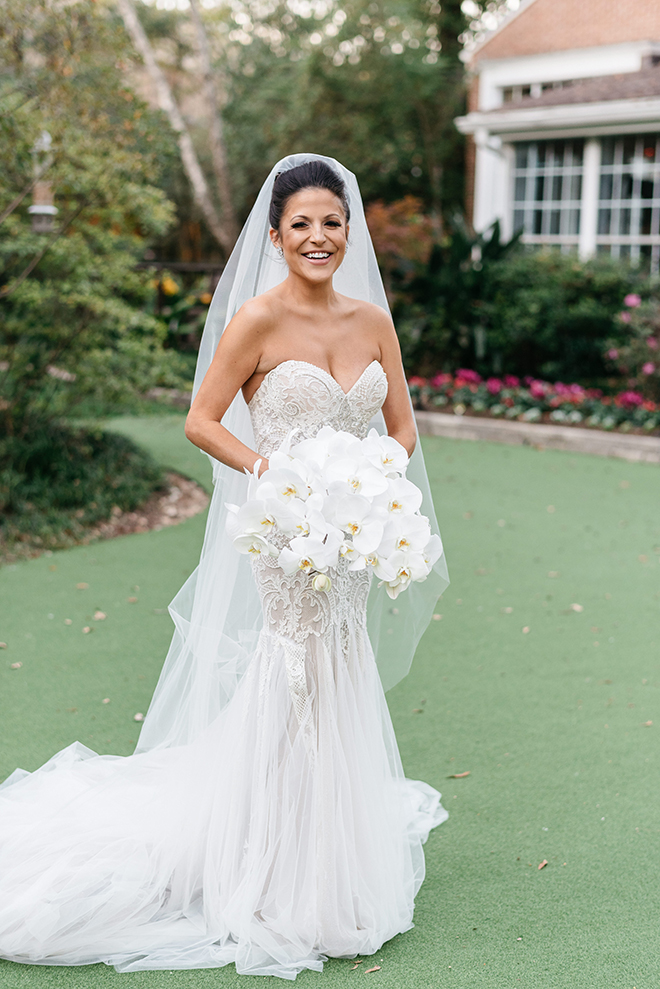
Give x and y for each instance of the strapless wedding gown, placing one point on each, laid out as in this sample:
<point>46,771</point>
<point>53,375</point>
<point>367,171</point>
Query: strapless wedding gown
<point>285,834</point>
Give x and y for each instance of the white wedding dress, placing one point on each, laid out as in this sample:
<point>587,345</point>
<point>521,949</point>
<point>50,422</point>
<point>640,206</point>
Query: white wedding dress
<point>286,833</point>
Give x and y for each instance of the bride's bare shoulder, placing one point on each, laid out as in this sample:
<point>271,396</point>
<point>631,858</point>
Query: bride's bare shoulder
<point>369,315</point>
<point>256,318</point>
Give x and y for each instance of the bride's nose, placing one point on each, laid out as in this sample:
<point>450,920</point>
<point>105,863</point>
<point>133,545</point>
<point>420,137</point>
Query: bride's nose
<point>317,235</point>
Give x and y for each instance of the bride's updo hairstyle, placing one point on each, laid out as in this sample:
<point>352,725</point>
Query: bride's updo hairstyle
<point>310,175</point>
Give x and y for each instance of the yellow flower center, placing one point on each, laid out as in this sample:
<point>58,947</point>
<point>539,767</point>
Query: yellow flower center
<point>353,527</point>
<point>402,543</point>
<point>354,483</point>
<point>289,492</point>
<point>395,506</point>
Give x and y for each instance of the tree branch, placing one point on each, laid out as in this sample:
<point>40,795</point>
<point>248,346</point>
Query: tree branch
<point>21,196</point>
<point>169,106</point>
<point>216,136</point>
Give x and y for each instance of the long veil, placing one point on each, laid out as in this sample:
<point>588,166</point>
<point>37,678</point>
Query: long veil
<point>217,612</point>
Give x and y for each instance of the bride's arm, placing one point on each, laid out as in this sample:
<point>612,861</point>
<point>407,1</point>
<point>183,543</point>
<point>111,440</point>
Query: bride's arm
<point>397,409</point>
<point>234,362</point>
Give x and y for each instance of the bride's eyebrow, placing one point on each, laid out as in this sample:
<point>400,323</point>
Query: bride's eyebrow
<point>330,216</point>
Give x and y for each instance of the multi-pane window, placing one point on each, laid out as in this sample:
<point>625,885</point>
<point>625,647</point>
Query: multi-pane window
<point>629,198</point>
<point>547,191</point>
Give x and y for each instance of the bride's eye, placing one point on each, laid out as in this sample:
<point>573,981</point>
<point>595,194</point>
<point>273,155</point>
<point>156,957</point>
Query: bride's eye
<point>298,225</point>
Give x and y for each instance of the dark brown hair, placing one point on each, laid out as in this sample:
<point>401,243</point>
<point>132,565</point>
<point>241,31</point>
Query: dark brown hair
<point>311,175</point>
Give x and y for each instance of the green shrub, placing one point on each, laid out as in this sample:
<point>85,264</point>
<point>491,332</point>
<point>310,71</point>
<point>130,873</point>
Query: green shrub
<point>637,357</point>
<point>499,306</point>
<point>56,482</point>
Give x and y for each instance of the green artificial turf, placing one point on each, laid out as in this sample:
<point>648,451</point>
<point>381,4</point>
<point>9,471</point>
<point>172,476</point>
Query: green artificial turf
<point>550,723</point>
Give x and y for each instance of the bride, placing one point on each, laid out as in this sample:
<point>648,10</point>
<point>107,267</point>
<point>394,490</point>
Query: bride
<point>265,818</point>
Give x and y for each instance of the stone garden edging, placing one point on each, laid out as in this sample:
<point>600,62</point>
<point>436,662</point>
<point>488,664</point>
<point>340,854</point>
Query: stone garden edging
<point>540,435</point>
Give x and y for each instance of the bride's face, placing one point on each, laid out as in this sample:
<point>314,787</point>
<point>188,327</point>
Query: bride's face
<point>312,234</point>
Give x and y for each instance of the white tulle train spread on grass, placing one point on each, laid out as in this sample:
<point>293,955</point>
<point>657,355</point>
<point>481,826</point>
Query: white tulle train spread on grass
<point>284,834</point>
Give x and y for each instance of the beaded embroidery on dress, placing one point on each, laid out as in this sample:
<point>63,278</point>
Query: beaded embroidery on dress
<point>284,834</point>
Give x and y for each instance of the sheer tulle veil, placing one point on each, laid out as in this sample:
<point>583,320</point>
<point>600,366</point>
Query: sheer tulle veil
<point>217,613</point>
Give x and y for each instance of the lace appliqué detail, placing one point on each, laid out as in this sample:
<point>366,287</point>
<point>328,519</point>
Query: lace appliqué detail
<point>299,395</point>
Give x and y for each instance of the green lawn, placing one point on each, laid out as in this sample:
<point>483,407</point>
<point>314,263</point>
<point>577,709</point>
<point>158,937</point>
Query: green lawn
<point>550,723</point>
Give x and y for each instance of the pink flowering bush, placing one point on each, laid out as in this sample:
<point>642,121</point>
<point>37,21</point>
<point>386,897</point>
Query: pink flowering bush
<point>638,360</point>
<point>536,400</point>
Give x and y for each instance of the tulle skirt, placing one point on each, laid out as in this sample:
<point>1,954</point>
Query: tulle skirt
<point>283,835</point>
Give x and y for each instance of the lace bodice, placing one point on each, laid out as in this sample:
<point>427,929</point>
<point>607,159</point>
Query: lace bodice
<point>296,394</point>
<point>299,395</point>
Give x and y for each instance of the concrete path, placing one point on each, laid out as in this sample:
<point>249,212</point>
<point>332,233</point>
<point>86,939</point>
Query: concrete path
<point>540,435</point>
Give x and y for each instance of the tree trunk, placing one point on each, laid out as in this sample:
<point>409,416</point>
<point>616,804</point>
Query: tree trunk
<point>169,106</point>
<point>216,136</point>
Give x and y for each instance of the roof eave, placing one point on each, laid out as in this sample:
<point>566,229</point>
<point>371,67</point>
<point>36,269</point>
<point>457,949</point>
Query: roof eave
<point>567,115</point>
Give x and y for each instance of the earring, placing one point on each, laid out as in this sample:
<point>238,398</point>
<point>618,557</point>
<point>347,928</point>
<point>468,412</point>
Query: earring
<point>280,251</point>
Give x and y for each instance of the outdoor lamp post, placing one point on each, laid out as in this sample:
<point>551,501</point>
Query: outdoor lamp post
<point>42,209</point>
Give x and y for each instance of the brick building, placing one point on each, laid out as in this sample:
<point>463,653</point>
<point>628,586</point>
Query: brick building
<point>564,126</point>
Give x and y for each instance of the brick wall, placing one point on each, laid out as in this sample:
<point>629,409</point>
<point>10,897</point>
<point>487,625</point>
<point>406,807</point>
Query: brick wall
<point>558,25</point>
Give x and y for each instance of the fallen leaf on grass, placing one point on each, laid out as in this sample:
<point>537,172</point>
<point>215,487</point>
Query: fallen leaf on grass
<point>525,629</point>
<point>106,700</point>
<point>358,962</point>
<point>87,629</point>
<point>376,968</point>
<point>543,864</point>
<point>68,621</point>
<point>418,710</point>
<point>100,616</point>
<point>16,666</point>
<point>3,645</point>
<point>82,586</point>
<point>458,776</point>
<point>138,717</point>
<point>437,618</point>
<point>577,607</point>
<point>647,724</point>
<point>132,600</point>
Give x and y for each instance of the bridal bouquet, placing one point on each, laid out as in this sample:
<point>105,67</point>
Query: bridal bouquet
<point>338,496</point>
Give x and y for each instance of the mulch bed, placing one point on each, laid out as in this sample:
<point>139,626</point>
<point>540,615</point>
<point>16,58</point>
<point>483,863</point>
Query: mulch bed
<point>180,500</point>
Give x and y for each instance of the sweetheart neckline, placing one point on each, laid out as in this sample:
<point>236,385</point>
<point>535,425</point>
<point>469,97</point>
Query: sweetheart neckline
<point>323,371</point>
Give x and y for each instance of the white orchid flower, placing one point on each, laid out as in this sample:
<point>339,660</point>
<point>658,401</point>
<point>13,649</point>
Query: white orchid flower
<point>402,497</point>
<point>385,452</point>
<point>250,542</point>
<point>354,475</point>
<point>310,553</point>
<point>433,551</point>
<point>405,533</point>
<point>348,552</point>
<point>358,517</point>
<point>261,517</point>
<point>282,484</point>
<point>407,567</point>
<point>373,561</point>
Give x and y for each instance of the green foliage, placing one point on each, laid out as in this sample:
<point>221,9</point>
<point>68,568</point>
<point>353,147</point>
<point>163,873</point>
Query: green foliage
<point>74,325</point>
<point>56,482</point>
<point>551,314</point>
<point>376,85</point>
<point>441,314</point>
<point>637,355</point>
<point>490,305</point>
